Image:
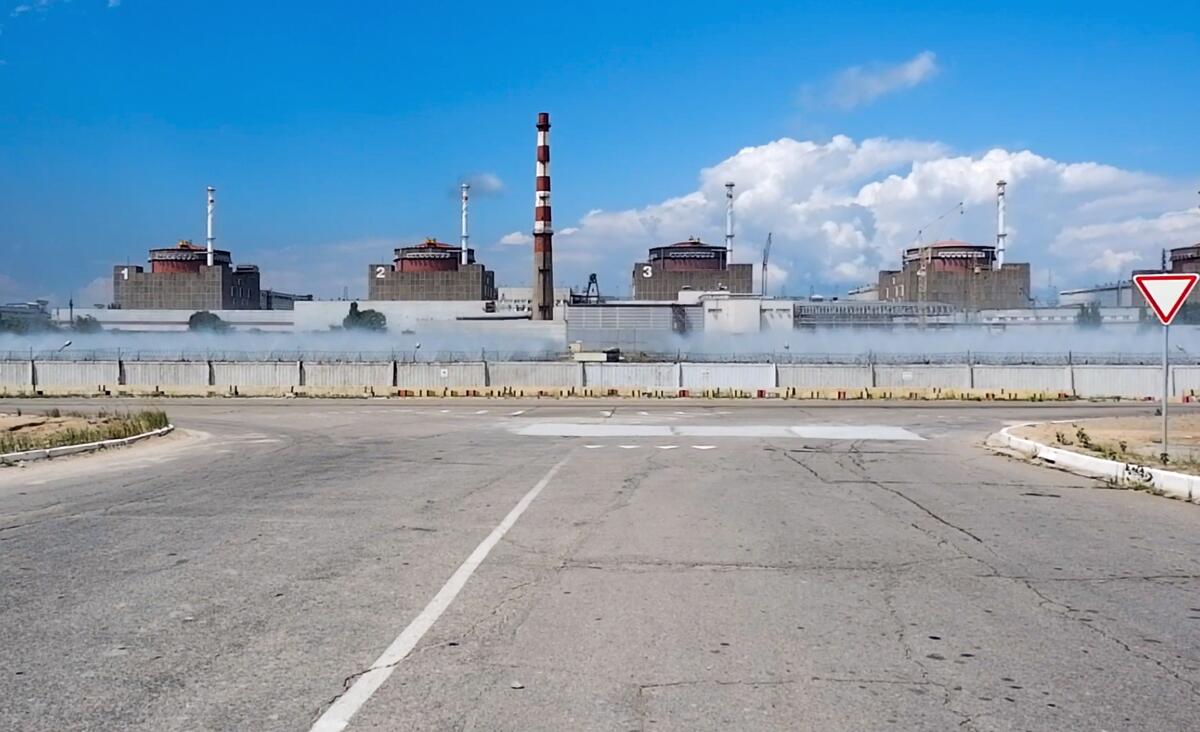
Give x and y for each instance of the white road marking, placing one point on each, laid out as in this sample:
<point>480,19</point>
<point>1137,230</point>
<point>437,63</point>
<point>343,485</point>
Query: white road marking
<point>517,413</point>
<point>593,447</point>
<point>809,431</point>
<point>338,715</point>
<point>644,414</point>
<point>628,447</point>
<point>444,411</point>
<point>607,413</point>
<point>704,447</point>
<point>482,411</point>
<point>667,447</point>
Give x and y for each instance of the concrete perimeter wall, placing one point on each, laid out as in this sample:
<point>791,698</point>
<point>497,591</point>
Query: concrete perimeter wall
<point>16,377</point>
<point>730,379</point>
<point>73,376</point>
<point>167,375</point>
<point>441,375</point>
<point>256,375</point>
<point>535,375</point>
<point>645,376</point>
<point>343,375</point>
<point>741,376</point>
<point>825,376</point>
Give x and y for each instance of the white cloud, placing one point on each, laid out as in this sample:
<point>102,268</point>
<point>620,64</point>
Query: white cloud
<point>516,238</point>
<point>483,184</point>
<point>859,85</point>
<point>97,292</point>
<point>842,210</point>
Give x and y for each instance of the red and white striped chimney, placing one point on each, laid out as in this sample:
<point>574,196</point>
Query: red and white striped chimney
<point>543,230</point>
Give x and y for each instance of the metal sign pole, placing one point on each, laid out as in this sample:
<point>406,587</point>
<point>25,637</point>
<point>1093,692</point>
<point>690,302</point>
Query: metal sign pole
<point>1166,390</point>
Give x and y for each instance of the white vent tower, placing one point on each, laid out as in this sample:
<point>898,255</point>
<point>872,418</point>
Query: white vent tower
<point>212,204</point>
<point>729,221</point>
<point>1001,229</point>
<point>464,237</point>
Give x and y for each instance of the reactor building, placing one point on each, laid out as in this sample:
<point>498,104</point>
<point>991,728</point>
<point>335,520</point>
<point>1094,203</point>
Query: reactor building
<point>191,277</point>
<point>967,276</point>
<point>693,265</point>
<point>433,270</point>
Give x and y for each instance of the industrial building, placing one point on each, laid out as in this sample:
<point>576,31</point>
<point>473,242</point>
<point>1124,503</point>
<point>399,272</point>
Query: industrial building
<point>431,270</point>
<point>191,277</point>
<point>693,265</point>
<point>971,277</point>
<point>1181,260</point>
<point>951,272</point>
<point>1110,295</point>
<point>689,265</point>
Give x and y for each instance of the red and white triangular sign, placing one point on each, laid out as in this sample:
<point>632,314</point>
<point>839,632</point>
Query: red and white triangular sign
<point>1166,292</point>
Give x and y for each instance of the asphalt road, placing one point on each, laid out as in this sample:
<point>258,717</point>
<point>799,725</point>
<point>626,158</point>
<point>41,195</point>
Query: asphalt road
<point>687,566</point>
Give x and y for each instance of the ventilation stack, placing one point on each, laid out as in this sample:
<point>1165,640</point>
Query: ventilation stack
<point>212,204</point>
<point>729,222</point>
<point>464,237</point>
<point>1001,230</point>
<point>543,230</point>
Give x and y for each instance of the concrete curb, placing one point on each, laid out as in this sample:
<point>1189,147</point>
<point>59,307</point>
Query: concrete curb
<point>1130,475</point>
<point>53,452</point>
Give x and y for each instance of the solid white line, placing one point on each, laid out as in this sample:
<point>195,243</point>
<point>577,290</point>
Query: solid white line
<point>337,716</point>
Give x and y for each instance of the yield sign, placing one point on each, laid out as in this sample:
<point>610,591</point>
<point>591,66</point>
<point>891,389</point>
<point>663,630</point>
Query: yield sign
<point>1166,292</point>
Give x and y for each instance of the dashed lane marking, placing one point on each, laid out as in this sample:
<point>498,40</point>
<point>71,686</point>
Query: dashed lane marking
<point>338,715</point>
<point>704,447</point>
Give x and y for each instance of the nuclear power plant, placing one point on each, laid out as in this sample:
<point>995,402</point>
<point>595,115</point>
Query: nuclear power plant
<point>189,277</point>
<point>680,289</point>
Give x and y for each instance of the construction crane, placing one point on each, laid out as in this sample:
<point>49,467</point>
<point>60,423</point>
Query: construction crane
<point>766,258</point>
<point>926,254</point>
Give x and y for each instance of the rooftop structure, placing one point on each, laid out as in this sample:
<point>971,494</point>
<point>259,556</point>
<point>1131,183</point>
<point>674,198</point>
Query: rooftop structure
<point>431,270</point>
<point>191,277</point>
<point>689,265</point>
<point>953,272</point>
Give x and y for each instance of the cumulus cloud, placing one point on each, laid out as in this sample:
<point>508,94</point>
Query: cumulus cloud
<point>97,292</point>
<point>516,238</point>
<point>843,209</point>
<point>861,85</point>
<point>483,184</point>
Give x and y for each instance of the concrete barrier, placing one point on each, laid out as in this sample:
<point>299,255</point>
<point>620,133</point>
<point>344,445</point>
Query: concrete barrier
<point>76,377</point>
<point>923,376</point>
<point>535,375</point>
<point>170,377</point>
<point>824,376</point>
<point>266,377</point>
<point>16,377</point>
<point>700,377</point>
<point>1165,482</point>
<point>349,375</point>
<point>1129,382</point>
<point>631,376</point>
<point>1052,379</point>
<point>435,376</point>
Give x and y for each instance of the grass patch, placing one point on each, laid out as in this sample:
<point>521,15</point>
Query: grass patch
<point>112,427</point>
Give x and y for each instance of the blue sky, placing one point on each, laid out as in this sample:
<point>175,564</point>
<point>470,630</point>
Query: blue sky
<point>335,133</point>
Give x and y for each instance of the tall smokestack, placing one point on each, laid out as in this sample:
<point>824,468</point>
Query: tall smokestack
<point>729,222</point>
<point>543,230</point>
<point>212,204</point>
<point>464,237</point>
<point>1001,230</point>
